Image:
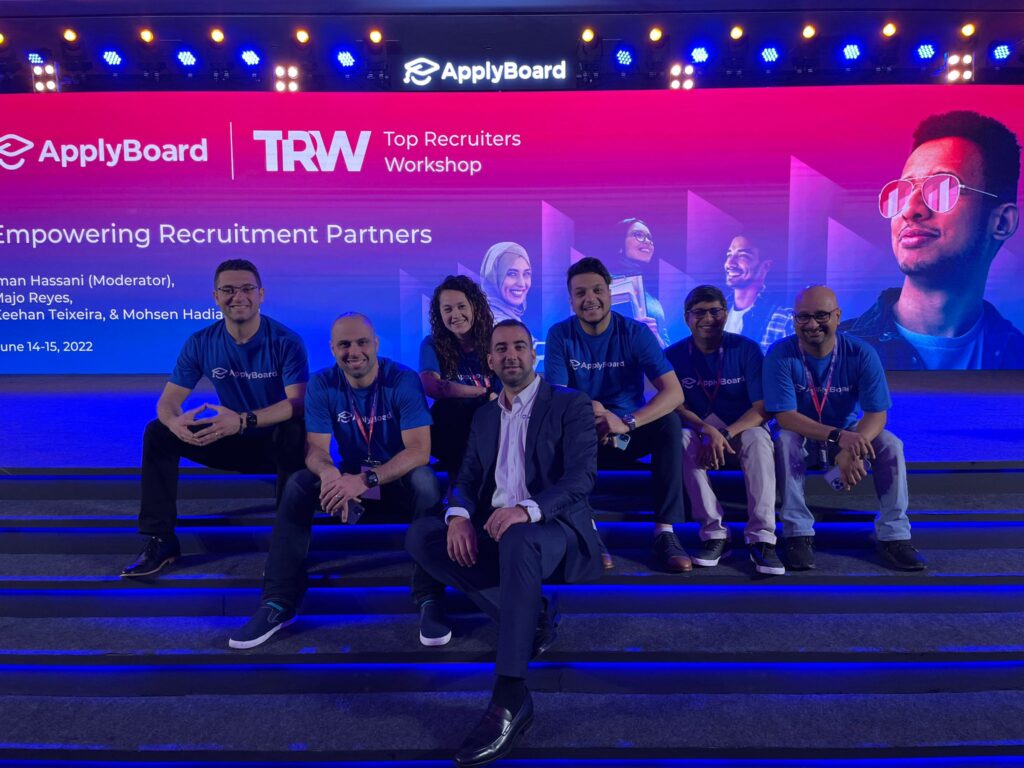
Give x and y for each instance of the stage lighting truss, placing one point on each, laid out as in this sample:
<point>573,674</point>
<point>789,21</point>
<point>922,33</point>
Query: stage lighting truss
<point>286,78</point>
<point>960,67</point>
<point>45,77</point>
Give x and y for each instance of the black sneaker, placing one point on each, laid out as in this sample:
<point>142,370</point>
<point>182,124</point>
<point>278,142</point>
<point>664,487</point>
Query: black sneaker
<point>158,552</point>
<point>901,555</point>
<point>765,559</point>
<point>268,619</point>
<point>800,552</point>
<point>435,629</point>
<point>669,554</point>
<point>712,551</point>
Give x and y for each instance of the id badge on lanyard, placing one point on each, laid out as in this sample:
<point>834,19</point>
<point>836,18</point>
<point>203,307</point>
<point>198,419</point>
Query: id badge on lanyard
<point>819,404</point>
<point>367,433</point>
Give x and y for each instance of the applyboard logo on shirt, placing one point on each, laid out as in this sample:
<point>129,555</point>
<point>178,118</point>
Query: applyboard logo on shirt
<point>345,417</point>
<point>821,390</point>
<point>690,383</point>
<point>577,364</point>
<point>223,373</point>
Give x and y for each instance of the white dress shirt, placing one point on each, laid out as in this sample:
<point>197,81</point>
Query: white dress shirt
<point>510,469</point>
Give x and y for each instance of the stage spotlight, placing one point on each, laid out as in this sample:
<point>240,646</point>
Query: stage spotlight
<point>45,78</point>
<point>688,84</point>
<point>624,57</point>
<point>736,33</point>
<point>588,35</point>
<point>186,58</point>
<point>147,36</point>
<point>769,55</point>
<point>286,78</point>
<point>809,31</point>
<point>112,58</point>
<point>968,30</point>
<point>589,57</point>
<point>376,36</point>
<point>851,52</point>
<point>889,30</point>
<point>676,70</point>
<point>301,36</point>
<point>926,52</point>
<point>217,35</point>
<point>960,68</point>
<point>35,58</point>
<point>655,35</point>
<point>346,59</point>
<point>699,55</point>
<point>2,38</point>
<point>250,58</point>
<point>675,85</point>
<point>1001,51</point>
<point>70,36</point>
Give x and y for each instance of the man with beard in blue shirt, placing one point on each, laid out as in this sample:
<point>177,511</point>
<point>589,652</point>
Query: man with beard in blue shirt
<point>815,382</point>
<point>724,422</point>
<point>607,356</point>
<point>259,371</point>
<point>377,412</point>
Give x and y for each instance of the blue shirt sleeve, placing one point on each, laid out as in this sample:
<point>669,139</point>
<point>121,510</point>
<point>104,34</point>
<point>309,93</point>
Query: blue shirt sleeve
<point>556,368</point>
<point>295,364</point>
<point>779,389</point>
<point>646,351</point>
<point>189,369</point>
<point>318,407</point>
<point>428,356</point>
<point>873,389</point>
<point>410,402</point>
<point>754,371</point>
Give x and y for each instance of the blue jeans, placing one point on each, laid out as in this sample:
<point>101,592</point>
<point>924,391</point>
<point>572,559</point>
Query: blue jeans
<point>417,493</point>
<point>888,470</point>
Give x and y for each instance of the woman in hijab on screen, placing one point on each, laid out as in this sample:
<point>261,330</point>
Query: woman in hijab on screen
<point>506,276</point>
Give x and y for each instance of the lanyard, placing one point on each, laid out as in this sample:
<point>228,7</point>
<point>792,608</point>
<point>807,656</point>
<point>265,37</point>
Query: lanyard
<point>360,423</point>
<point>819,405</point>
<point>697,363</point>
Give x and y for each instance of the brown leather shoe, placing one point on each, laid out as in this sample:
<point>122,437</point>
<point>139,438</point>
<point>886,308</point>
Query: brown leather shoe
<point>669,554</point>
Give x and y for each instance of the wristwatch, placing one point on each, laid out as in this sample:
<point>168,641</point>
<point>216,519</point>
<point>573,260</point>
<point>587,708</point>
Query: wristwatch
<point>726,433</point>
<point>371,479</point>
<point>250,420</point>
<point>630,421</point>
<point>833,436</point>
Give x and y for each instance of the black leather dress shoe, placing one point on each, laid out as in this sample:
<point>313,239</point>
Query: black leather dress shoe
<point>547,630</point>
<point>157,553</point>
<point>495,735</point>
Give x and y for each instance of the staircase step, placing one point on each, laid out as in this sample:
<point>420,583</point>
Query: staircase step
<point>418,726</point>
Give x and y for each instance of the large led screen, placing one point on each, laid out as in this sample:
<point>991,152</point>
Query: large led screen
<point>116,208</point>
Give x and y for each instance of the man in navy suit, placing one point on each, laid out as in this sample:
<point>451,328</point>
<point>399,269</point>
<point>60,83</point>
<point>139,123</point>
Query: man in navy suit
<point>519,514</point>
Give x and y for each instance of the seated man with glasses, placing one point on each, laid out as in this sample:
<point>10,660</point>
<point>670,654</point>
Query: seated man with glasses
<point>814,383</point>
<point>259,371</point>
<point>724,422</point>
<point>949,214</point>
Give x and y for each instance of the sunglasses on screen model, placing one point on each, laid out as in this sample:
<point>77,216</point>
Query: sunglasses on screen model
<point>939,192</point>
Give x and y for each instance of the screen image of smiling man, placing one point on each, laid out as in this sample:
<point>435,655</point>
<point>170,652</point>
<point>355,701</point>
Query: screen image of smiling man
<point>950,212</point>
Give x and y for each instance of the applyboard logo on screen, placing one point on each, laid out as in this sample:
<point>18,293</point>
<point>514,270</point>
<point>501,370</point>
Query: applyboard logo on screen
<point>420,72</point>
<point>108,153</point>
<point>11,146</point>
<point>308,149</point>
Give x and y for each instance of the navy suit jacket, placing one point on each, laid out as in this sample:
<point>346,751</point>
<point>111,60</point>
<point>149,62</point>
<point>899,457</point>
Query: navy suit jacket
<point>561,467</point>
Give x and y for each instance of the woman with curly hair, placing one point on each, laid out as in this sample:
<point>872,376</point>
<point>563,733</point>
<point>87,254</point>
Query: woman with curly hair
<point>453,366</point>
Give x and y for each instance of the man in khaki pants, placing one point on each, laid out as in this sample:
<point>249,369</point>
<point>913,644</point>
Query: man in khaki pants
<point>724,425</point>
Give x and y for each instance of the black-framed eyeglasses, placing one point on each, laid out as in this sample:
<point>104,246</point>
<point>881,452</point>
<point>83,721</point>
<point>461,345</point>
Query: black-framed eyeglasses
<point>230,290</point>
<point>700,314</point>
<point>804,318</point>
<point>642,237</point>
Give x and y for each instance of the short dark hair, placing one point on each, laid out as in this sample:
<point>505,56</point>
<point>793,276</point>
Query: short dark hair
<point>586,266</point>
<point>704,293</point>
<point>509,323</point>
<point>1000,151</point>
<point>238,265</point>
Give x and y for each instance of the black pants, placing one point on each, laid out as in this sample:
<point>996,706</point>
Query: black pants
<point>278,450</point>
<point>663,440</point>
<point>505,582</point>
<point>285,579</point>
<point>449,433</point>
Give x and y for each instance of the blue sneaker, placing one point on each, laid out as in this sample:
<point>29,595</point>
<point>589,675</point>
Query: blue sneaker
<point>268,619</point>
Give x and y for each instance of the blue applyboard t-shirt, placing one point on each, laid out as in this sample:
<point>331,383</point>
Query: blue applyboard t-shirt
<point>247,376</point>
<point>858,381</point>
<point>401,405</point>
<point>609,367</point>
<point>471,370</point>
<point>729,395</point>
